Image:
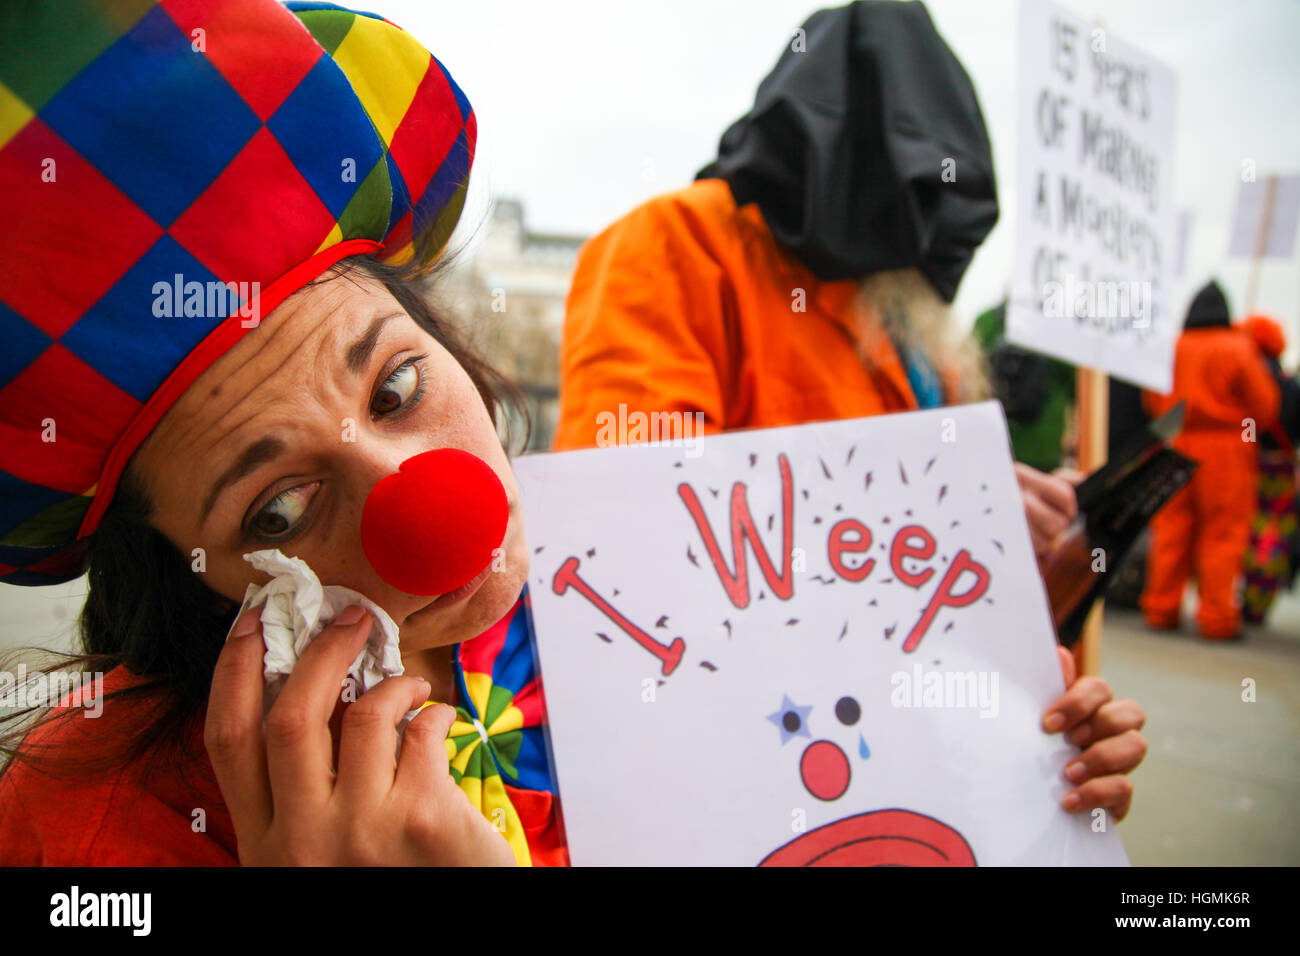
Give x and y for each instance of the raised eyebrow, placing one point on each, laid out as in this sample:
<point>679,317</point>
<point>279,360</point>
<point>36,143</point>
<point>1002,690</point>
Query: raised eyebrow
<point>267,448</point>
<point>359,351</point>
<point>258,453</point>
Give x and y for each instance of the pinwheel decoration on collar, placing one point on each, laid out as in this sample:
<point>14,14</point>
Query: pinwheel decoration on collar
<point>497,745</point>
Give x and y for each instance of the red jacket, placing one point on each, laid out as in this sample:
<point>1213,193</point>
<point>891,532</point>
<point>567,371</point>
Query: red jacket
<point>128,818</point>
<point>116,819</point>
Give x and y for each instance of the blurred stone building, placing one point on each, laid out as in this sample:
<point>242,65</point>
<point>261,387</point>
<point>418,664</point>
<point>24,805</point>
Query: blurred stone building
<point>508,293</point>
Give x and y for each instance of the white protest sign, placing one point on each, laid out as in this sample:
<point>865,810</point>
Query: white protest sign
<point>1270,205</point>
<point>1096,226</point>
<point>829,641</point>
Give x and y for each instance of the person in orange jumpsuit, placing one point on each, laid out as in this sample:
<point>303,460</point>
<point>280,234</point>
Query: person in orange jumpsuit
<point>1205,528</point>
<point>807,275</point>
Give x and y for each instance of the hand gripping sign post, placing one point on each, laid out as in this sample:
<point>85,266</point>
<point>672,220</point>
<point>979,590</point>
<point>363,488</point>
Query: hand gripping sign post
<point>1096,226</point>
<point>820,644</point>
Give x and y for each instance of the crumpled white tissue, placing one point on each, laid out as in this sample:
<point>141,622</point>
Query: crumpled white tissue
<point>296,608</point>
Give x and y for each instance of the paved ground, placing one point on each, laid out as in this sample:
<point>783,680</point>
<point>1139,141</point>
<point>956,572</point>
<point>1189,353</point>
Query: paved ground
<point>1221,784</point>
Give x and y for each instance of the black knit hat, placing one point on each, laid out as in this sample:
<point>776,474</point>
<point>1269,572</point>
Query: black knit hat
<point>1209,309</point>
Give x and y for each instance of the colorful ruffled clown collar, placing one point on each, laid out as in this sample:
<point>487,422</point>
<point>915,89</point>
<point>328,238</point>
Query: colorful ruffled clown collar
<point>170,171</point>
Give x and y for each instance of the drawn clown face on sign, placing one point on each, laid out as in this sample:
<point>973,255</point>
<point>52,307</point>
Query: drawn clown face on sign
<point>879,838</point>
<point>824,766</point>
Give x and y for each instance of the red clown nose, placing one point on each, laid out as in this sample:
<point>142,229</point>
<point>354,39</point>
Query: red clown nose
<point>433,526</point>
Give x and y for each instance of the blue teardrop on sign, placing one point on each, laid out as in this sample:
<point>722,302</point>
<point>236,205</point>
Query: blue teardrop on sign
<point>863,750</point>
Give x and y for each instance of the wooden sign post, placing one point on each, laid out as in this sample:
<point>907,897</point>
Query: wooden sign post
<point>1261,242</point>
<point>1092,398</point>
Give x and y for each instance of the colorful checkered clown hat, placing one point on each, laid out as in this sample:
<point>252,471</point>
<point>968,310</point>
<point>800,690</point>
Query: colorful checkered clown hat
<point>170,169</point>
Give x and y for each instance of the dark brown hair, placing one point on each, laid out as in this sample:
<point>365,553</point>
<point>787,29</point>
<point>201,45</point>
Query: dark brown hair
<point>147,610</point>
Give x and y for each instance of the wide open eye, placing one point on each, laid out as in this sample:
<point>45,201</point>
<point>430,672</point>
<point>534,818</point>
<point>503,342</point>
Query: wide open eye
<point>283,512</point>
<point>398,389</point>
<point>847,711</point>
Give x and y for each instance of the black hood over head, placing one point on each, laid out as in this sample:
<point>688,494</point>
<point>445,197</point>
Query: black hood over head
<point>845,148</point>
<point>1209,309</point>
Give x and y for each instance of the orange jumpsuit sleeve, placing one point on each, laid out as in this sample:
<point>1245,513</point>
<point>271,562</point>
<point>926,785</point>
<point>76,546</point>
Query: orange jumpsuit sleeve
<point>1261,397</point>
<point>646,325</point>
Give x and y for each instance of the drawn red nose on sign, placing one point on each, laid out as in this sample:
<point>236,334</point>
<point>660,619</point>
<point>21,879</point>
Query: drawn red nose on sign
<point>825,770</point>
<point>433,526</point>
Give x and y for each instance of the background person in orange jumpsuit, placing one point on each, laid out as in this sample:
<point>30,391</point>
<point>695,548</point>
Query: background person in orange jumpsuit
<point>807,276</point>
<point>1204,529</point>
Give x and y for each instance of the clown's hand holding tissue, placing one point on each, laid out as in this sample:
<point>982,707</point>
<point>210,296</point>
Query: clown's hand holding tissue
<point>296,608</point>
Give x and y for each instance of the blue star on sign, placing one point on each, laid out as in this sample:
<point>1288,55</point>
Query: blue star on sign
<point>791,720</point>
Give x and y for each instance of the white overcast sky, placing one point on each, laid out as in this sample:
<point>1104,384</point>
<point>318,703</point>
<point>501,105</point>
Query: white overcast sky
<point>588,107</point>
